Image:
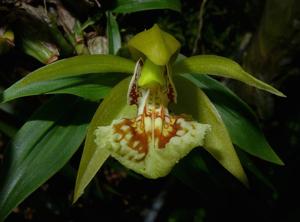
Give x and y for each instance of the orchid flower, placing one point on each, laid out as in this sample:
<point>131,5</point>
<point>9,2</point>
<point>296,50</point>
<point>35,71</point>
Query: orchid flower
<point>151,120</point>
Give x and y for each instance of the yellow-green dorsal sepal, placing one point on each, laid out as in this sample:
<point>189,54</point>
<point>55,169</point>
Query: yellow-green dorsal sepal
<point>151,75</point>
<point>155,44</point>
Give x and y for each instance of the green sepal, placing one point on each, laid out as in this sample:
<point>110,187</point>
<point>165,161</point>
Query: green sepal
<point>221,66</point>
<point>155,44</point>
<point>114,106</point>
<point>192,100</point>
<point>238,117</point>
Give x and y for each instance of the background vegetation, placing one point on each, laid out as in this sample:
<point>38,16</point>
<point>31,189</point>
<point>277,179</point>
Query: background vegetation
<point>263,36</point>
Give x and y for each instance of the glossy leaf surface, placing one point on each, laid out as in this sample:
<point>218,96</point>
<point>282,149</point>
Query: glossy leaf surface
<point>127,6</point>
<point>75,66</point>
<point>113,34</point>
<point>92,87</point>
<point>42,147</point>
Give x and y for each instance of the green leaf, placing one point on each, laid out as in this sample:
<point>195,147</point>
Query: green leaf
<point>238,117</point>
<point>192,100</point>
<point>75,66</point>
<point>92,87</point>
<point>114,106</point>
<point>220,66</point>
<point>92,92</point>
<point>113,34</point>
<point>128,6</point>
<point>42,147</point>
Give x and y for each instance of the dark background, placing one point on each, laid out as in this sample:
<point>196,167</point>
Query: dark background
<point>264,36</point>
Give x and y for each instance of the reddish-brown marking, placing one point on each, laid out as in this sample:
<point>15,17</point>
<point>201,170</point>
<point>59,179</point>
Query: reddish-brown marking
<point>142,138</point>
<point>134,95</point>
<point>171,93</point>
<point>163,140</point>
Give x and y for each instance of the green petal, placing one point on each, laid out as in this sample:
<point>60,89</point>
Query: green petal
<point>220,66</point>
<point>75,66</point>
<point>113,106</point>
<point>155,44</point>
<point>193,101</point>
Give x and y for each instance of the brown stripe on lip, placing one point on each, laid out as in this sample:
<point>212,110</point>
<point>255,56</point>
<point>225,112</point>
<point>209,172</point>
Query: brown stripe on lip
<point>138,140</point>
<point>170,131</point>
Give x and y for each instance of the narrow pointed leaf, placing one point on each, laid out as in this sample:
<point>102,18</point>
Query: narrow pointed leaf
<point>113,34</point>
<point>192,100</point>
<point>221,66</point>
<point>42,147</point>
<point>238,117</point>
<point>92,92</point>
<point>128,6</point>
<point>114,106</point>
<point>92,87</point>
<point>75,66</point>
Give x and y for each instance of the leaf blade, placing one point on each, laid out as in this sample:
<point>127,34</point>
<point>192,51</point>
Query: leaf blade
<point>113,34</point>
<point>92,87</point>
<point>129,6</point>
<point>43,150</point>
<point>75,66</point>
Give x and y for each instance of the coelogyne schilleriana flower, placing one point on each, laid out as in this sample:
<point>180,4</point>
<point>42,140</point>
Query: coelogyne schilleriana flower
<point>155,140</point>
